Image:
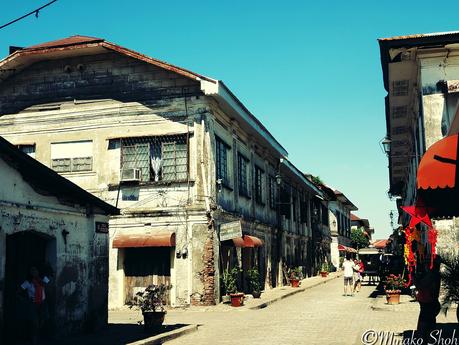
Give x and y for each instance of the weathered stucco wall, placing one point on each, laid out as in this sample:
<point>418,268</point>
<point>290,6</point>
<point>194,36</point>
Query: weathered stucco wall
<point>79,260</point>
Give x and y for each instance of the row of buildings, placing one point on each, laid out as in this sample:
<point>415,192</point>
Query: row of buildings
<point>421,77</point>
<point>200,183</point>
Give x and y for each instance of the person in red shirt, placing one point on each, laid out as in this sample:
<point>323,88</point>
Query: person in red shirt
<point>34,287</point>
<point>359,268</point>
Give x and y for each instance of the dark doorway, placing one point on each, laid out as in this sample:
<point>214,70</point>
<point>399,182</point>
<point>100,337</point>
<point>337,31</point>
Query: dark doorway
<point>145,266</point>
<point>23,250</point>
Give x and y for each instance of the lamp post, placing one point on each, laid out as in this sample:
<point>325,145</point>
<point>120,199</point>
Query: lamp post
<point>279,229</point>
<point>386,145</point>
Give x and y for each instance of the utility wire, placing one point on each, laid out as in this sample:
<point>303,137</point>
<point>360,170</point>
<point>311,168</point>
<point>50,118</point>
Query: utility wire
<point>36,12</point>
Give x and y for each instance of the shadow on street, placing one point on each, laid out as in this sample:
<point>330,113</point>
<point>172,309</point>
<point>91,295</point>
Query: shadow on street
<point>113,334</point>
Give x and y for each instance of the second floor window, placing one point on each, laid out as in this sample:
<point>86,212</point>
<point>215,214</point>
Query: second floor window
<point>221,159</point>
<point>74,156</point>
<point>304,211</point>
<point>243,183</point>
<point>259,184</point>
<point>272,192</point>
<point>285,202</point>
<point>161,158</point>
<point>28,149</point>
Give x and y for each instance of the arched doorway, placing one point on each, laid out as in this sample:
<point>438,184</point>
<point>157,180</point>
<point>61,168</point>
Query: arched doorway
<point>24,250</point>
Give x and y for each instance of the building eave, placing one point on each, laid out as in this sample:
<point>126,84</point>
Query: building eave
<point>222,94</point>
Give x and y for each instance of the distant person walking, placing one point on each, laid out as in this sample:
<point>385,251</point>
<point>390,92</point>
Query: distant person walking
<point>358,271</point>
<point>348,268</point>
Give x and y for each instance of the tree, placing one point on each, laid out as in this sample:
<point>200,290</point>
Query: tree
<point>316,180</point>
<point>359,239</point>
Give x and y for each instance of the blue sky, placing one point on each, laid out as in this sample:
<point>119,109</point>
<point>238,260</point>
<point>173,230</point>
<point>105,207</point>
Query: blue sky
<point>310,72</point>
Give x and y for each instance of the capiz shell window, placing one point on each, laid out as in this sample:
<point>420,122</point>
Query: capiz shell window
<point>72,156</point>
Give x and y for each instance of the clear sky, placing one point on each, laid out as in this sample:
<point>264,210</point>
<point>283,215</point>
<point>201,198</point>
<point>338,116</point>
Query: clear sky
<point>310,71</point>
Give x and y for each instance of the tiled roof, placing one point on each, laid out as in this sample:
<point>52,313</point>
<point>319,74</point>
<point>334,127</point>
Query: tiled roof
<point>354,217</point>
<point>72,40</point>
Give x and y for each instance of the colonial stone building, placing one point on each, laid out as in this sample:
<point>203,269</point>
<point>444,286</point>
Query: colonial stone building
<point>50,223</point>
<point>201,183</point>
<point>421,77</point>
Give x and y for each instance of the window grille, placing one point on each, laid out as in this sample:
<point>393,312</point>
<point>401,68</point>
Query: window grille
<point>259,173</point>
<point>222,161</point>
<point>285,202</point>
<point>400,130</point>
<point>28,149</point>
<point>243,164</point>
<point>400,87</point>
<point>159,158</point>
<point>304,211</point>
<point>399,111</point>
<point>272,192</point>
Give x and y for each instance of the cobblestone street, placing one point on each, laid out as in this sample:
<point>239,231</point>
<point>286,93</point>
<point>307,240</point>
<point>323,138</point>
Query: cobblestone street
<point>320,315</point>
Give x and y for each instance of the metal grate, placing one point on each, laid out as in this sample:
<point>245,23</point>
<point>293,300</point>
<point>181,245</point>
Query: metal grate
<point>399,111</point>
<point>159,158</point>
<point>400,87</point>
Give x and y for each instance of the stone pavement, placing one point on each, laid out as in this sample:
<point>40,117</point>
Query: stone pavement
<point>320,315</point>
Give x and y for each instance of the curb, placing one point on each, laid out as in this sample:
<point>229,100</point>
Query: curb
<point>161,338</point>
<point>294,292</point>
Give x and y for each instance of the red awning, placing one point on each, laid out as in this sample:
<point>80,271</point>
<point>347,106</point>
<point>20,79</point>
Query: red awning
<point>162,239</point>
<point>247,242</point>
<point>380,244</point>
<point>346,249</point>
<point>437,168</point>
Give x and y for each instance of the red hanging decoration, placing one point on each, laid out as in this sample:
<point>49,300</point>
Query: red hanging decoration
<point>418,215</point>
<point>432,238</point>
<point>409,254</point>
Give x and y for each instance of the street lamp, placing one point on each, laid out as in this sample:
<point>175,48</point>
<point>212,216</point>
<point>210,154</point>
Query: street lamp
<point>386,143</point>
<point>278,179</point>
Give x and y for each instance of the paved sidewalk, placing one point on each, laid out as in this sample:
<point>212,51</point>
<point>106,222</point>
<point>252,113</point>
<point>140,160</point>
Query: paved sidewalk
<point>318,315</point>
<point>124,325</point>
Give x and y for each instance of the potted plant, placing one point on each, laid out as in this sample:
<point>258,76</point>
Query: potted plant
<point>237,298</point>
<point>324,270</point>
<point>151,302</point>
<point>450,282</point>
<point>226,282</point>
<point>253,279</point>
<point>392,286</point>
<point>295,276</point>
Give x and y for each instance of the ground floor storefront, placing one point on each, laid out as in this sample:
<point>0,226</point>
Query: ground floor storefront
<point>187,252</point>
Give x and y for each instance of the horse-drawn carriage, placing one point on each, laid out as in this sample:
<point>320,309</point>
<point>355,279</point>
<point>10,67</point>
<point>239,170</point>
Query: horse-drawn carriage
<point>371,258</point>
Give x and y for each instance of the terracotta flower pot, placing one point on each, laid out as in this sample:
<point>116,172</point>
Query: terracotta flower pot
<point>153,320</point>
<point>295,282</point>
<point>324,274</point>
<point>393,296</point>
<point>237,299</point>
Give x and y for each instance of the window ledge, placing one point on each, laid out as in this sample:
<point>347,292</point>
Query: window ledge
<point>115,186</point>
<point>78,173</point>
<point>227,186</point>
<point>245,196</point>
